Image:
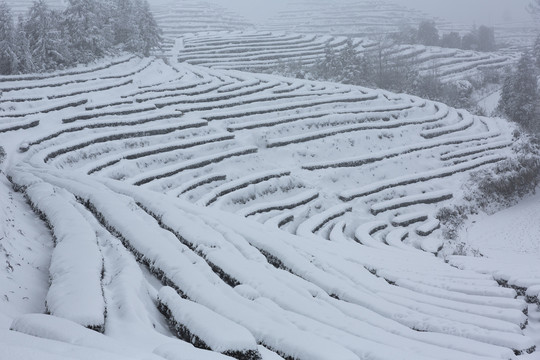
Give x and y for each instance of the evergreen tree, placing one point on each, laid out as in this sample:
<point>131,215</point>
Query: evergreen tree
<point>536,51</point>
<point>469,41</point>
<point>86,28</point>
<point>9,63</point>
<point>26,63</point>
<point>150,33</point>
<point>48,49</point>
<point>84,31</point>
<point>124,24</point>
<point>520,95</point>
<point>428,34</point>
<point>486,38</point>
<point>451,40</point>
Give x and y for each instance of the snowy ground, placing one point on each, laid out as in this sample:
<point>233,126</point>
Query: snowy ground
<point>510,240</point>
<point>337,257</point>
<point>175,211</point>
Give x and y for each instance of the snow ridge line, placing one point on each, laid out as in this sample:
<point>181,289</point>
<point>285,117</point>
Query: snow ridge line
<point>349,195</point>
<point>168,171</point>
<point>367,111</point>
<point>93,115</point>
<point>293,106</point>
<point>25,147</point>
<point>176,88</point>
<point>309,227</point>
<point>76,256</point>
<point>189,322</point>
<point>295,139</point>
<point>387,154</point>
<point>197,182</point>
<point>238,184</point>
<point>221,96</point>
<point>20,125</point>
<point>364,234</point>
<point>121,136</point>
<point>408,219</point>
<point>66,73</point>
<point>476,149</point>
<point>426,198</point>
<point>428,227</point>
<point>160,149</point>
<point>194,96</point>
<point>463,124</point>
<point>284,204</point>
<point>96,89</point>
<point>47,109</point>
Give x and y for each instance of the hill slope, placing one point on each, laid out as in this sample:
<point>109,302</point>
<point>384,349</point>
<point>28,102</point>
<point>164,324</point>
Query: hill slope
<point>137,168</point>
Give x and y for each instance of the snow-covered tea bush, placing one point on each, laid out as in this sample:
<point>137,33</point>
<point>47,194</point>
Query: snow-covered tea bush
<point>2,155</point>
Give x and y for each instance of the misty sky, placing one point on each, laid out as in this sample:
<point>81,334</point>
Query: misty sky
<point>488,12</point>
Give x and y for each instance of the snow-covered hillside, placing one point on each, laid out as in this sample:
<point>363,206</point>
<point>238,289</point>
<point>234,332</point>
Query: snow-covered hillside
<point>268,51</point>
<point>254,216</point>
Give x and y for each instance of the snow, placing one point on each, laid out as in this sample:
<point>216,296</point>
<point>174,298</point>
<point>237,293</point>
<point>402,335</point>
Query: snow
<point>314,165</point>
<point>184,351</point>
<point>76,264</point>
<point>65,331</point>
<point>217,332</point>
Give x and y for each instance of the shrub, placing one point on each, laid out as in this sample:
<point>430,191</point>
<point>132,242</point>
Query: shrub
<point>452,219</point>
<point>500,186</point>
<point>2,155</point>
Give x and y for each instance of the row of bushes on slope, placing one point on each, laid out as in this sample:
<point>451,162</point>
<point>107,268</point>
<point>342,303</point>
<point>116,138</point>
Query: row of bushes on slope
<point>85,30</point>
<point>380,69</point>
<point>480,38</point>
<point>496,187</point>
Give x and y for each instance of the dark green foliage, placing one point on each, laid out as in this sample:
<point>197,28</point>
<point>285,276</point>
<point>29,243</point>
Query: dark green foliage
<point>480,39</point>
<point>510,180</point>
<point>452,219</point>
<point>8,52</point>
<point>451,40</point>
<point>428,33</point>
<point>486,38</point>
<point>2,155</point>
<point>86,30</point>
<point>48,47</point>
<point>497,187</point>
<point>519,95</point>
<point>380,69</point>
<point>536,51</point>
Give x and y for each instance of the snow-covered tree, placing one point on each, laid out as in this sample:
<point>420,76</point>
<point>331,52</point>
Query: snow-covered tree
<point>48,48</point>
<point>428,33</point>
<point>451,40</point>
<point>534,9</point>
<point>486,38</point>
<point>86,30</point>
<point>536,51</point>
<point>520,95</point>
<point>24,55</point>
<point>9,62</point>
<point>85,24</point>
<point>150,33</point>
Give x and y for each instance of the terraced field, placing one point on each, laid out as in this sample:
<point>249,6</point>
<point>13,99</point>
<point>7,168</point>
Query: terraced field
<point>345,18</point>
<point>295,217</point>
<point>268,51</point>
<point>177,18</point>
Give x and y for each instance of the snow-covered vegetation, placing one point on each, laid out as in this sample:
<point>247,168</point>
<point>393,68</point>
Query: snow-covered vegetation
<point>48,39</point>
<point>179,207</point>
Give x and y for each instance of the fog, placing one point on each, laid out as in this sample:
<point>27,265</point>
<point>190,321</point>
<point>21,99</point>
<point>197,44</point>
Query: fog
<point>488,12</point>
